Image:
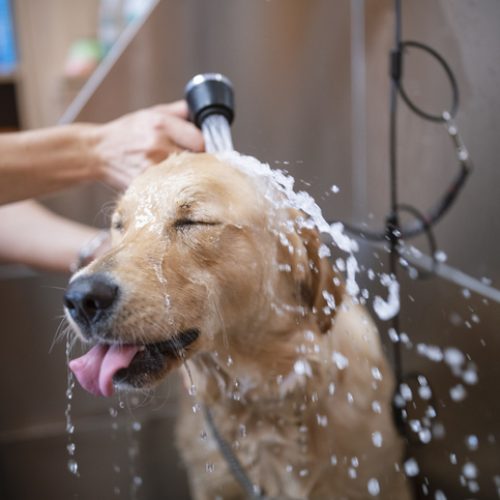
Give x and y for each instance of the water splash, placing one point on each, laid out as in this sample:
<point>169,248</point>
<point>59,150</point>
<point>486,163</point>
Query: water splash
<point>373,487</point>
<point>70,427</point>
<point>387,309</point>
<point>411,467</point>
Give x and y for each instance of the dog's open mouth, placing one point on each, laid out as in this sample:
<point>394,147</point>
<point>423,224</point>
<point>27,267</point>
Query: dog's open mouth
<point>131,365</point>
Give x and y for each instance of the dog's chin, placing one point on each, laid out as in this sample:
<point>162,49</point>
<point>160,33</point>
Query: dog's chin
<point>154,361</point>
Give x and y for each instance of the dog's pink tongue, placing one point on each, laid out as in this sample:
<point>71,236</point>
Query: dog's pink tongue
<point>95,369</point>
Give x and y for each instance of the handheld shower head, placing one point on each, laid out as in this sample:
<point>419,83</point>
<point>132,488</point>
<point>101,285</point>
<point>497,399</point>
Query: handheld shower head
<point>210,94</point>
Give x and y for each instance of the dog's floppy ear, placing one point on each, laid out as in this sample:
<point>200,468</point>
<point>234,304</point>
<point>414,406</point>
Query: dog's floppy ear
<point>317,287</point>
<point>323,290</point>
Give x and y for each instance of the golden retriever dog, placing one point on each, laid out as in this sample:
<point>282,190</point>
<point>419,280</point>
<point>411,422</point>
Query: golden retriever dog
<point>211,270</point>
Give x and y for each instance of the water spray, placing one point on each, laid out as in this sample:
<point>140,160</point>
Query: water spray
<point>210,100</point>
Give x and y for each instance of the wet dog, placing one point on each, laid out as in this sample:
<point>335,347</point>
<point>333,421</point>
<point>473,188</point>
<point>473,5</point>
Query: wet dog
<point>212,270</point>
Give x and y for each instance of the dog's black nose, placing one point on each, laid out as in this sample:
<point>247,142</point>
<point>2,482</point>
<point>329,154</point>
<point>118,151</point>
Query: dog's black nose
<point>90,298</point>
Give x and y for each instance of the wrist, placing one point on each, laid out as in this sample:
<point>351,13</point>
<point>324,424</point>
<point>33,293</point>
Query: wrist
<point>89,137</point>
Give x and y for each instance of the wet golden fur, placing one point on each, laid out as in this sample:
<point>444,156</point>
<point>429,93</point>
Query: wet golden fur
<point>296,387</point>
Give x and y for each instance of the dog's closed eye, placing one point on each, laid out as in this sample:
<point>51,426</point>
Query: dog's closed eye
<point>187,223</point>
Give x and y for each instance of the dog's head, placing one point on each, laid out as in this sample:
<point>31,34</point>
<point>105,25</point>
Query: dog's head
<point>204,257</point>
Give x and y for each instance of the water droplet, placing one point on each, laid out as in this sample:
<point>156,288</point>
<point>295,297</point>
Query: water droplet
<point>473,486</point>
<point>486,281</point>
<point>71,448</point>
<point>458,393</point>
<point>373,487</point>
<point>469,470</point>
<point>472,442</point>
<point>438,430</point>
<point>376,407</point>
<point>335,189</point>
<point>376,373</point>
<point>432,352</point>
<point>73,467</point>
<point>406,392</point>
<point>377,439</point>
<point>453,458</point>
<point>209,467</point>
<point>137,480</point>
<point>136,426</point>
<point>324,251</point>
<point>439,495</point>
<point>425,436</point>
<point>411,467</point>
<point>322,420</point>
<point>340,360</point>
<point>340,263</point>
<point>309,335</point>
<point>425,392</point>
<point>334,460</point>
<point>303,472</point>
<point>430,412</point>
<point>415,425</point>
<point>466,293</point>
<point>302,367</point>
<point>113,412</point>
<point>455,319</point>
<point>393,336</point>
<point>454,357</point>
<point>192,390</point>
<point>404,339</point>
<point>352,472</point>
<point>440,256</point>
<point>331,388</point>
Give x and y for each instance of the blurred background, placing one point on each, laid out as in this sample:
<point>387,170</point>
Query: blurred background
<point>312,97</point>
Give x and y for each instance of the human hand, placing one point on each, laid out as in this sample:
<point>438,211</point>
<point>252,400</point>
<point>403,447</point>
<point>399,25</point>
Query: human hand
<point>126,146</point>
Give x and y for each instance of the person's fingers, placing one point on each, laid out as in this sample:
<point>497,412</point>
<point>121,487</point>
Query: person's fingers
<point>184,134</point>
<point>177,108</point>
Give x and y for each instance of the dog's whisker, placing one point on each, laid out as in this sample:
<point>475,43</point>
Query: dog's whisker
<point>63,330</point>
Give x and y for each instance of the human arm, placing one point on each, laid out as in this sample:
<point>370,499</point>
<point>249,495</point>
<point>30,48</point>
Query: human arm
<point>32,235</point>
<point>37,162</point>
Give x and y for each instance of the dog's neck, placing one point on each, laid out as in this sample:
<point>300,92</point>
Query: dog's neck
<point>277,366</point>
